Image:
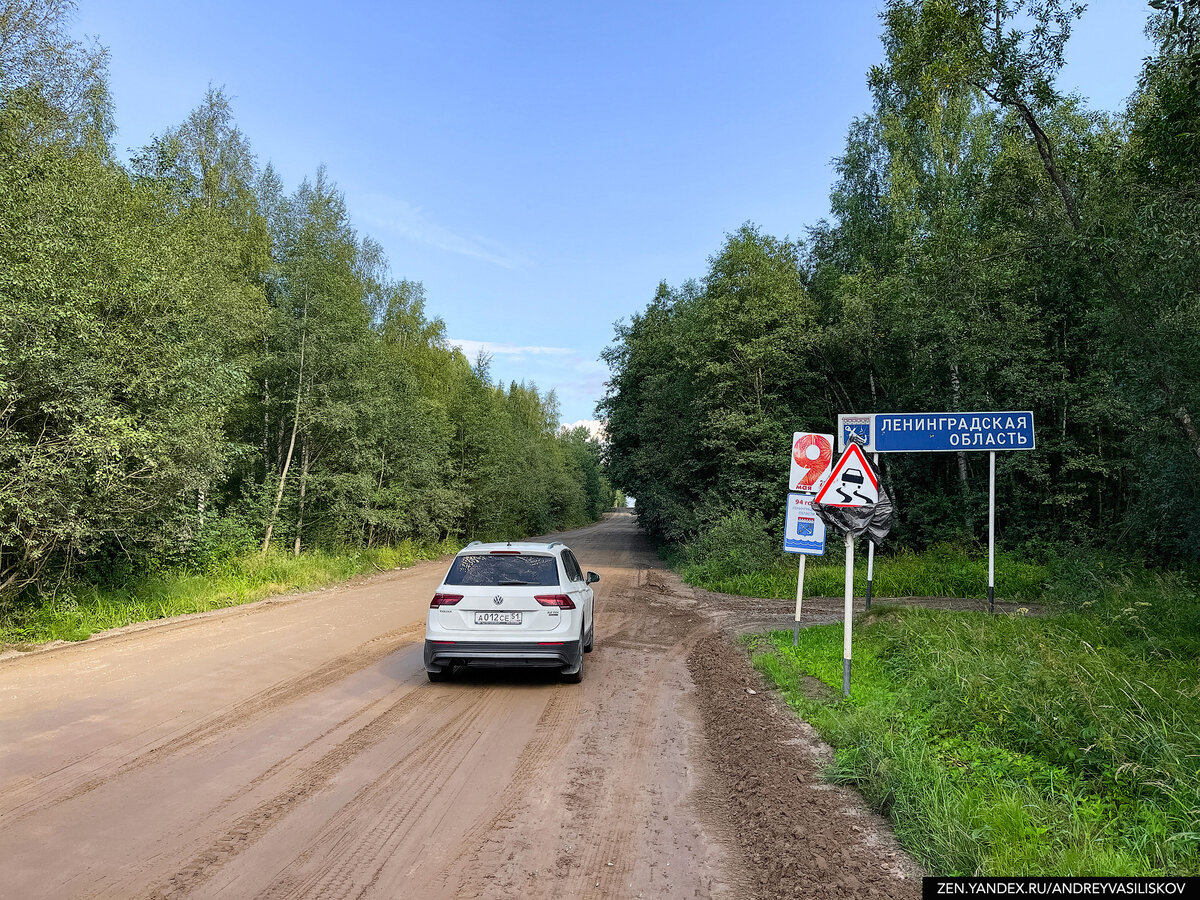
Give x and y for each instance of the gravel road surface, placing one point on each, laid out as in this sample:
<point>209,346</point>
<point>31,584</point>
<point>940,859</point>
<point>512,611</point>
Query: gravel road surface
<point>293,748</point>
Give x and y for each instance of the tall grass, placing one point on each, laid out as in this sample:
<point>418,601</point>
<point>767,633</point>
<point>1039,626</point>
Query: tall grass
<point>1009,745</point>
<point>77,611</point>
<point>941,571</point>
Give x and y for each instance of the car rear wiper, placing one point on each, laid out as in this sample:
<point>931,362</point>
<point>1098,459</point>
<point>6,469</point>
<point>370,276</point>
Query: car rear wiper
<point>511,583</point>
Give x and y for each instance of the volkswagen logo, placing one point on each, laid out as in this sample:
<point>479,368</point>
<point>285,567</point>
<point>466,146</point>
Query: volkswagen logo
<point>497,599</point>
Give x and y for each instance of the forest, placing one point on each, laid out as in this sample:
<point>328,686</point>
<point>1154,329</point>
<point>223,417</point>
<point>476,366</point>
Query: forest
<point>992,244</point>
<point>197,362</point>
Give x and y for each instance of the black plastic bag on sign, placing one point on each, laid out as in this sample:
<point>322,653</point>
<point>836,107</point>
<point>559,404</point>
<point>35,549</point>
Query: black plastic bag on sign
<point>873,521</point>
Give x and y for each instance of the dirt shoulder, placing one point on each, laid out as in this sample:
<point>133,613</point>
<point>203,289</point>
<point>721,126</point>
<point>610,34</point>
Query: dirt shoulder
<point>801,836</point>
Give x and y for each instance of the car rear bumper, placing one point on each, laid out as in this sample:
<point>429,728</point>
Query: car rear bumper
<point>439,655</point>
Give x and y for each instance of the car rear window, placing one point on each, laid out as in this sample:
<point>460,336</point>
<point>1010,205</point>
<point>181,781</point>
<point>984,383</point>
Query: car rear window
<point>480,569</point>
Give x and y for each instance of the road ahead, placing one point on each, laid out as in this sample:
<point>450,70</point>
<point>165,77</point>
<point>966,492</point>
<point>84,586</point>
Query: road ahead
<point>294,748</point>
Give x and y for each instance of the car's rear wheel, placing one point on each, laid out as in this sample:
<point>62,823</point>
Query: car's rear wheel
<point>436,677</point>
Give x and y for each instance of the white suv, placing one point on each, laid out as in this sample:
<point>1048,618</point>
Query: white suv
<point>514,604</point>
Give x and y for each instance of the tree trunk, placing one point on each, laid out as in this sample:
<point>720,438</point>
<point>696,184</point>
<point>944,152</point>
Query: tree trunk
<point>304,460</point>
<point>266,435</point>
<point>266,403</point>
<point>956,393</point>
<point>280,433</point>
<point>378,487</point>
<point>291,446</point>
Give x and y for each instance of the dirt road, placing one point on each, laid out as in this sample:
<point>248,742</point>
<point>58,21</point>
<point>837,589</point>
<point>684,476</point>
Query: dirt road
<point>293,748</point>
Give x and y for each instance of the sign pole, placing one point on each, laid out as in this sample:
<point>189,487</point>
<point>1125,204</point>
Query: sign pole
<point>799,601</point>
<point>849,616</point>
<point>871,555</point>
<point>992,531</point>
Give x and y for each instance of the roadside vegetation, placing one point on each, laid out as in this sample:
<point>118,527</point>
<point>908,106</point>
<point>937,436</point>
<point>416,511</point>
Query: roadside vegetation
<point>1004,745</point>
<point>81,608</point>
<point>738,555</point>
<point>199,364</point>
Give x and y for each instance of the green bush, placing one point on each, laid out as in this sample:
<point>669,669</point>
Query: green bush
<point>736,544</point>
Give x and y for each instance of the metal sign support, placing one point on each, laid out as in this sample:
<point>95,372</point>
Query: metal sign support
<point>849,616</point>
<point>871,554</point>
<point>992,531</point>
<point>799,601</point>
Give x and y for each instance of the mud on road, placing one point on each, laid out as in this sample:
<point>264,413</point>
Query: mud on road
<point>293,748</point>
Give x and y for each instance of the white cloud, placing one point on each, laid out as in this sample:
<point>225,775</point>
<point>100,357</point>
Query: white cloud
<point>594,426</point>
<point>471,349</point>
<point>578,382</point>
<point>411,222</point>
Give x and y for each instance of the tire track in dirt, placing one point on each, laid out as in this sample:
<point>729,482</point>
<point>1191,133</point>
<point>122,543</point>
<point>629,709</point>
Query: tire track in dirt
<point>483,847</point>
<point>251,826</point>
<point>608,863</point>
<point>343,863</point>
<point>209,729</point>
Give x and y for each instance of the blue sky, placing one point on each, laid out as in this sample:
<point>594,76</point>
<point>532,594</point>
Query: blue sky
<point>542,166</point>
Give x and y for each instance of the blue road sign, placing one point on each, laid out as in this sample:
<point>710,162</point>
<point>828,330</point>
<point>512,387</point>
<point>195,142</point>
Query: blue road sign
<point>942,432</point>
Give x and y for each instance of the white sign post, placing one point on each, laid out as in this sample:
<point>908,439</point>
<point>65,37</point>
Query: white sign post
<point>848,615</point>
<point>804,533</point>
<point>851,483</point>
<point>992,531</point>
<point>871,555</point>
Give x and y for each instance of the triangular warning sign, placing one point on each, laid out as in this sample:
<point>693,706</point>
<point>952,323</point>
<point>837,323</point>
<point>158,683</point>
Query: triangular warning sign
<point>852,481</point>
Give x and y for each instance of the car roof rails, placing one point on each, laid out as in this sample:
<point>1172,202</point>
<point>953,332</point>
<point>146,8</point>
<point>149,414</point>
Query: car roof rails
<point>552,543</point>
<point>473,543</point>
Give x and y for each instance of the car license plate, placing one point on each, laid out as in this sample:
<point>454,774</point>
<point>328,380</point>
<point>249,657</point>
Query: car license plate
<point>497,618</point>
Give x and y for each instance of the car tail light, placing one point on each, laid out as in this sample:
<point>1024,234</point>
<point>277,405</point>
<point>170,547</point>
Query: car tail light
<point>562,601</point>
<point>506,553</point>
<point>444,600</point>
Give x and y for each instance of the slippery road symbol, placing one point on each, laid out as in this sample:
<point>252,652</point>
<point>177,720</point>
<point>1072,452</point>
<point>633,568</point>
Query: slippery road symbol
<point>848,498</point>
<point>852,476</point>
<point>852,483</point>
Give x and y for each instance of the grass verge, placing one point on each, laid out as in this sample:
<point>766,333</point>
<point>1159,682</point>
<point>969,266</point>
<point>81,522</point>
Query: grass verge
<point>78,611</point>
<point>941,571</point>
<point>740,554</point>
<point>1018,746</point>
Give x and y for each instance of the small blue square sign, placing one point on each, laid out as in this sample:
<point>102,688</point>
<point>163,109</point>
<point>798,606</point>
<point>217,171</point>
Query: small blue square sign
<point>855,430</point>
<point>804,532</point>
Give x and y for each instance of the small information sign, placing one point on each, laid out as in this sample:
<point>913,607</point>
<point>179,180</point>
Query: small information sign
<point>803,532</point>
